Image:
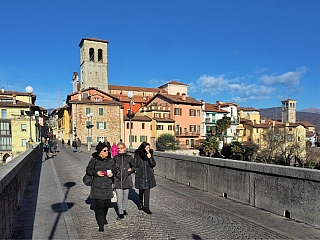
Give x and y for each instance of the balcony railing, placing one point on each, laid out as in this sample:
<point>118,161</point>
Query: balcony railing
<point>185,133</point>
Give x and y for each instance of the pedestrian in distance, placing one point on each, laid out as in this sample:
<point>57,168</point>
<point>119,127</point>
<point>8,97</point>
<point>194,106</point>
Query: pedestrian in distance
<point>144,175</point>
<point>106,142</point>
<point>101,167</point>
<point>55,146</point>
<point>46,148</point>
<point>62,143</point>
<point>114,149</point>
<point>74,145</point>
<point>122,178</point>
<point>68,143</point>
<point>79,145</point>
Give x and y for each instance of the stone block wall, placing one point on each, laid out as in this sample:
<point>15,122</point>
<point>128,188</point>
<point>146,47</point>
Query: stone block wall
<point>14,177</point>
<point>287,191</point>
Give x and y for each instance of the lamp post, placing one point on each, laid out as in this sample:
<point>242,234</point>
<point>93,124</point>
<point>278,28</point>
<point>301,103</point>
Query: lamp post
<point>29,90</point>
<point>130,115</point>
<point>36,113</point>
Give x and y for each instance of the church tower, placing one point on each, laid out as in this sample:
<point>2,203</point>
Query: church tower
<point>93,63</point>
<point>289,110</point>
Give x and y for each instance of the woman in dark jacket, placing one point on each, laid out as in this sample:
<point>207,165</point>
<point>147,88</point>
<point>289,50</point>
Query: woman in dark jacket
<point>122,178</point>
<point>144,179</point>
<point>101,167</point>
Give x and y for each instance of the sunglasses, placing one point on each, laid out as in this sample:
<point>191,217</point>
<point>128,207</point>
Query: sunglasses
<point>104,150</point>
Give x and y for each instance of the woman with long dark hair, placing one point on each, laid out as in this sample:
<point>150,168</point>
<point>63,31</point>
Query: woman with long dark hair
<point>144,178</point>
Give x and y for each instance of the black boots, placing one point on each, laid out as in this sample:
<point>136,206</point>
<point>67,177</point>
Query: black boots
<point>147,211</point>
<point>101,229</point>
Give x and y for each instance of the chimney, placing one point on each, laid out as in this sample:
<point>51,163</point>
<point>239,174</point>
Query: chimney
<point>79,96</point>
<point>14,98</point>
<point>2,89</point>
<point>184,97</point>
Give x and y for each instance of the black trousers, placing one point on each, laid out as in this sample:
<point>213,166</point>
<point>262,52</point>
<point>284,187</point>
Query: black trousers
<point>102,207</point>
<point>144,197</point>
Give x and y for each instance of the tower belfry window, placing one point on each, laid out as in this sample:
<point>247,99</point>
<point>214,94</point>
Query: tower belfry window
<point>100,58</point>
<point>91,54</point>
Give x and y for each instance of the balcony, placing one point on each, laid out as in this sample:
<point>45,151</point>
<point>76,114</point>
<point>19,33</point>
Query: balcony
<point>186,134</point>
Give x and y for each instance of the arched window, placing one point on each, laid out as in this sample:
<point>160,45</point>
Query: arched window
<point>100,59</point>
<point>91,54</point>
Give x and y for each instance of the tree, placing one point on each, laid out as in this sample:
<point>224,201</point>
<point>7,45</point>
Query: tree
<point>166,142</point>
<point>210,145</point>
<point>222,125</point>
<point>238,150</point>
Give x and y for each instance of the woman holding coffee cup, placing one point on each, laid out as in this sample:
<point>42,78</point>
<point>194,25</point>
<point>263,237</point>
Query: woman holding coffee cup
<point>101,167</point>
<point>144,179</point>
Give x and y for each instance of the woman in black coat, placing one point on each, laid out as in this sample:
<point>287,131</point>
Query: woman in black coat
<point>144,179</point>
<point>122,178</point>
<point>101,167</point>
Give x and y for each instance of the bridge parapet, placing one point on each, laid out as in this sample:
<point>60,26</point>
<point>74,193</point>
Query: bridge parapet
<point>288,191</point>
<point>14,177</point>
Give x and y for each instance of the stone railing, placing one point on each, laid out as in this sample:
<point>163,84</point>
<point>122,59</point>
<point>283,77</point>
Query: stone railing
<point>288,191</point>
<point>14,177</point>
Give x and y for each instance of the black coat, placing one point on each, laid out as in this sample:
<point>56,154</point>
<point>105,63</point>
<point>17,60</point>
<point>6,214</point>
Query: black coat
<point>144,171</point>
<point>122,178</point>
<point>101,186</point>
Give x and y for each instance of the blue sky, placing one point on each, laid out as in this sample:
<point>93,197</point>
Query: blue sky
<point>252,52</point>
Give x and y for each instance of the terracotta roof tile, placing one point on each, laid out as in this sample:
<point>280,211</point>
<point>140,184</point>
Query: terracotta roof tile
<point>138,118</point>
<point>177,99</point>
<point>172,82</point>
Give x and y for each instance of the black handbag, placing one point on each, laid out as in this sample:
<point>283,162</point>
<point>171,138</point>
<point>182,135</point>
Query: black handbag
<point>87,179</point>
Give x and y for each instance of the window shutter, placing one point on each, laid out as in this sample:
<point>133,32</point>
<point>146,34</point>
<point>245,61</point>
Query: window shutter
<point>97,125</point>
<point>146,138</point>
<point>180,111</point>
<point>194,128</point>
<point>105,125</point>
<point>140,138</point>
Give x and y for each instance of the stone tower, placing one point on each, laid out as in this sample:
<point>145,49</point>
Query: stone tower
<point>289,110</point>
<point>93,63</point>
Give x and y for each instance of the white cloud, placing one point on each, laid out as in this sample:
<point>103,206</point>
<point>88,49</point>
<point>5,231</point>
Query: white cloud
<point>289,79</point>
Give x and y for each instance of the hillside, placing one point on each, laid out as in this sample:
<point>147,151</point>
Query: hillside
<point>275,113</point>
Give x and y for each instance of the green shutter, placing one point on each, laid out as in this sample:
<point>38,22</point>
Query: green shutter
<point>140,138</point>
<point>97,125</point>
<point>88,110</point>
<point>146,138</point>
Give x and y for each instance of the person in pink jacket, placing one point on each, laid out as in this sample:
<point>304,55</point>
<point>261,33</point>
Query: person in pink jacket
<point>114,150</point>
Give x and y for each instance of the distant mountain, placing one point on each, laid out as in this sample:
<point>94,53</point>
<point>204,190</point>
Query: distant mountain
<point>304,115</point>
<point>50,110</point>
<point>311,110</point>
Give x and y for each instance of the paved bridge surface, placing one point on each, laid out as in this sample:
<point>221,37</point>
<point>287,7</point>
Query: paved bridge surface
<point>57,206</point>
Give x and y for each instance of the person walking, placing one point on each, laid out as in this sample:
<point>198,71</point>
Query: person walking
<point>46,148</point>
<point>101,167</point>
<point>55,145</point>
<point>114,150</point>
<point>79,145</point>
<point>74,145</point>
<point>62,143</point>
<point>144,176</point>
<point>68,143</point>
<point>122,178</point>
<point>106,142</point>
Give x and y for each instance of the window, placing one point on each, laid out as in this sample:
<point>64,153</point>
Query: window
<point>100,56</point>
<point>133,138</point>
<point>191,112</point>
<point>96,99</point>
<point>170,127</point>
<point>157,115</point>
<point>5,128</point>
<point>198,112</point>
<point>85,95</point>
<point>128,125</point>
<point>198,128</point>
<point>187,141</point>
<point>91,54</point>
<point>143,126</point>
<point>21,112</point>
<point>289,137</point>
<point>88,110</point>
<point>100,111</point>
<point>100,139</point>
<point>143,139</point>
<point>177,111</point>
<point>101,125</point>
<point>23,128</point>
<point>150,127</point>
<point>192,128</point>
<point>159,127</point>
<point>166,115</point>
<point>5,144</point>
<point>89,139</point>
<point>23,142</point>
<point>4,113</point>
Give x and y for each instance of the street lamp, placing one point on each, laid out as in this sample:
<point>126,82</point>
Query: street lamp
<point>130,115</point>
<point>29,90</point>
<point>36,113</point>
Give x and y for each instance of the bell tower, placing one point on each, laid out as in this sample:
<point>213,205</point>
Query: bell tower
<point>93,63</point>
<point>289,108</point>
